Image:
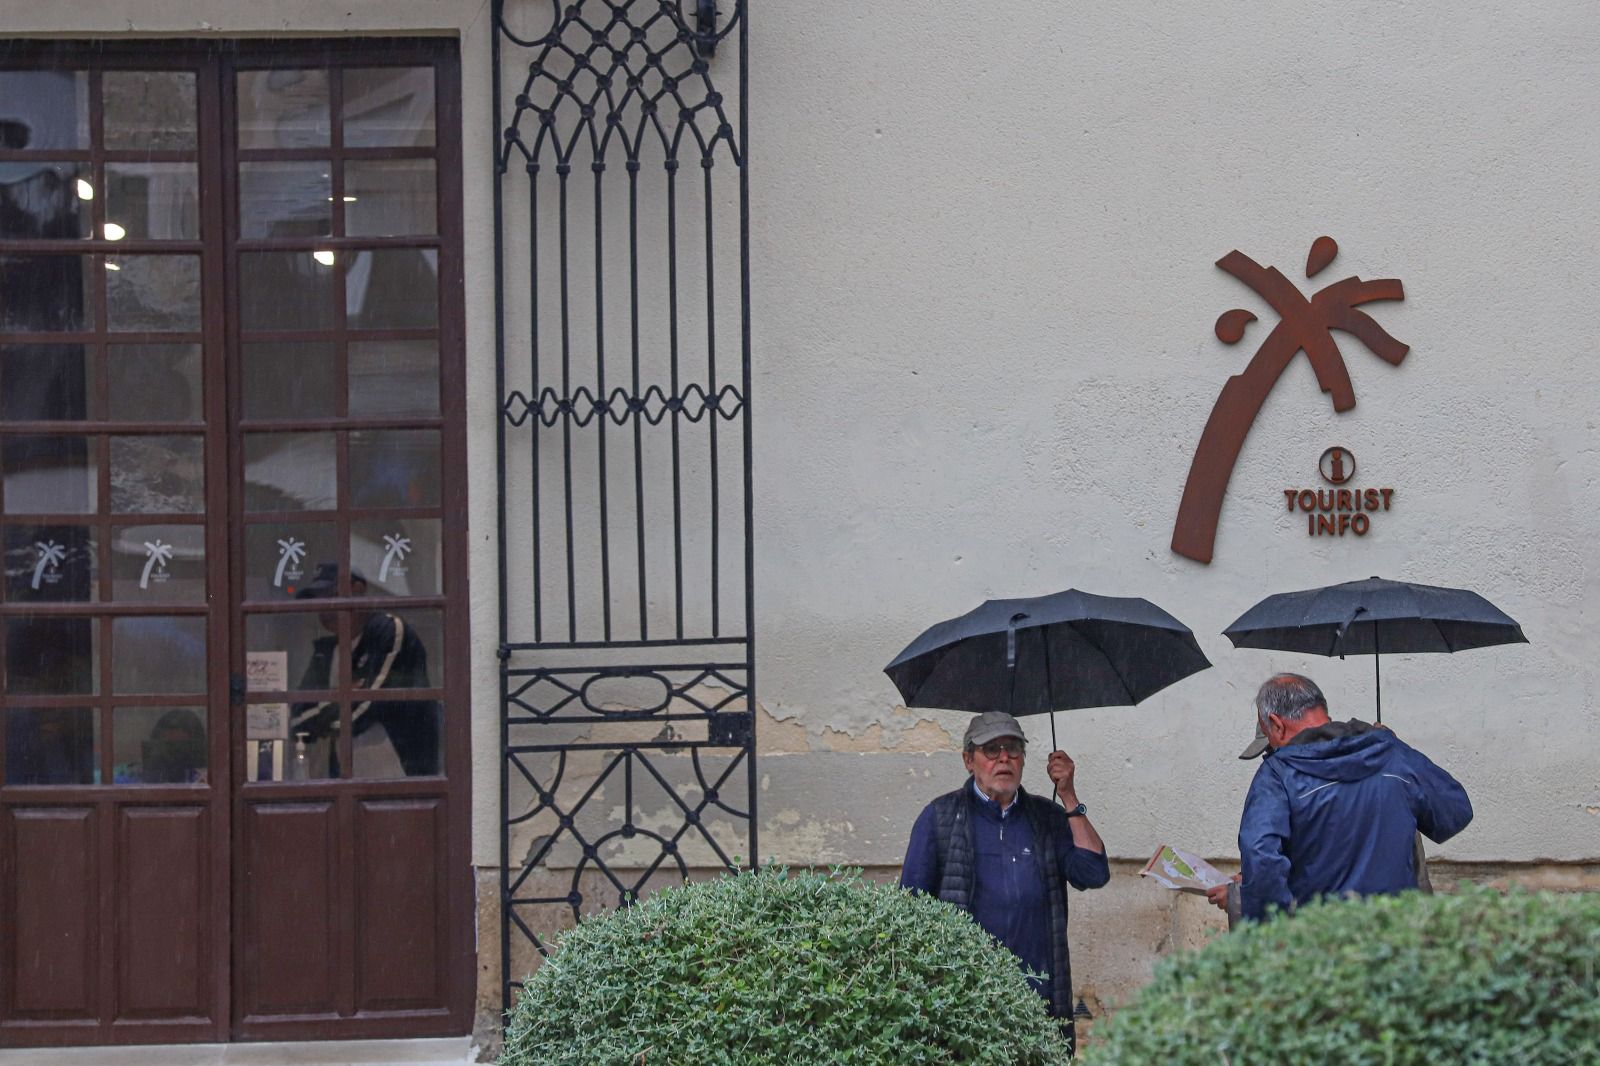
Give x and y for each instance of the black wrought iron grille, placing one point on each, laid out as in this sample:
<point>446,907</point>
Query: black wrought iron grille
<point>623,339</point>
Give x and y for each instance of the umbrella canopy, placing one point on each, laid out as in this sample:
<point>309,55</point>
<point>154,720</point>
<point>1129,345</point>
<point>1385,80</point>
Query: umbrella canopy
<point>1372,617</point>
<point>1047,653</point>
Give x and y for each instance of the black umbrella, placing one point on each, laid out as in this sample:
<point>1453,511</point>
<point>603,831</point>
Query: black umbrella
<point>1047,653</point>
<point>1372,617</point>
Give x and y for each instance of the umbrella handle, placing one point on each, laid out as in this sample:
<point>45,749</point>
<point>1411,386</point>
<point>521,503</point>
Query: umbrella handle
<point>1011,639</point>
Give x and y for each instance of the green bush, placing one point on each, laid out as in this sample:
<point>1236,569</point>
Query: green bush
<point>795,968</point>
<point>1474,977</point>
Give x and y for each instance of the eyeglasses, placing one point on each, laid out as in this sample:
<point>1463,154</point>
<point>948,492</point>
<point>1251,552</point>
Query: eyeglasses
<point>996,748</point>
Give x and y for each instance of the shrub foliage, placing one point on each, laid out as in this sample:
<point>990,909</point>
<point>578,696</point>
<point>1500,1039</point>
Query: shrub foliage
<point>1474,977</point>
<point>796,968</point>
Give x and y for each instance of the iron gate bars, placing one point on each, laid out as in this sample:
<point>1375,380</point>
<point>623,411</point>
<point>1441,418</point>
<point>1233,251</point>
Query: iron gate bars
<point>623,445</point>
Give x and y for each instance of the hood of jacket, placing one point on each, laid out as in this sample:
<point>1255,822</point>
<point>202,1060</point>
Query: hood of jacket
<point>1338,751</point>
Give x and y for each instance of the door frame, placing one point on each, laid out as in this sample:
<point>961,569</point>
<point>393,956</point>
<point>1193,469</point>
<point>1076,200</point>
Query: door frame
<point>225,877</point>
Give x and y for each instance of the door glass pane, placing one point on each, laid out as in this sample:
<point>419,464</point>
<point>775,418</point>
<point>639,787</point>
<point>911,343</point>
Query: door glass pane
<point>310,752</point>
<point>50,475</point>
<point>388,106</point>
<point>390,198</point>
<point>52,746</point>
<point>149,109</point>
<point>397,557</point>
<point>289,472</point>
<point>158,745</point>
<point>46,382</point>
<point>46,294</point>
<point>281,558</point>
<point>45,200</point>
<point>393,288</point>
<point>399,649</point>
<point>52,656</point>
<point>41,109</point>
<point>394,378</point>
<point>151,654</point>
<point>162,563</point>
<point>286,290</point>
<point>146,293</point>
<point>153,474</point>
<point>394,468</point>
<point>51,564</point>
<point>283,108</point>
<point>152,201</point>
<point>293,199</point>
<point>289,379</point>
<point>154,383</point>
<point>307,642</point>
<point>397,738</point>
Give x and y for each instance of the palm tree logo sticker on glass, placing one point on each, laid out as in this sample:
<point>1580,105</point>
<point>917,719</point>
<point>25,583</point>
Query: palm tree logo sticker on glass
<point>1305,325</point>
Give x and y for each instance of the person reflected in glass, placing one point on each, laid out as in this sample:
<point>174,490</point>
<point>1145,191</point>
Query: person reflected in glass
<point>175,752</point>
<point>390,737</point>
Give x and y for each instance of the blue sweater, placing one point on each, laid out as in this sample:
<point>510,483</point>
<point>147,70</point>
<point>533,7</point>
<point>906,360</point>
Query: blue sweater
<point>1009,898</point>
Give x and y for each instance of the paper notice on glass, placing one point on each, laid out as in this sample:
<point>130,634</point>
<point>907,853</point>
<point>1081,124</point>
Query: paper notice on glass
<point>266,671</point>
<point>1181,871</point>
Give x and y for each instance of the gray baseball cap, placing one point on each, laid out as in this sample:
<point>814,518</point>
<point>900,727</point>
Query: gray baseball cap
<point>1257,746</point>
<point>991,725</point>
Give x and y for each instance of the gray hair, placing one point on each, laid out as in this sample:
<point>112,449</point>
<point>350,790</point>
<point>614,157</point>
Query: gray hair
<point>1289,696</point>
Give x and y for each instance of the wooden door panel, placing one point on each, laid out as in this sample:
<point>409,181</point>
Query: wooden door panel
<point>291,893</point>
<point>400,905</point>
<point>52,915</point>
<point>164,947</point>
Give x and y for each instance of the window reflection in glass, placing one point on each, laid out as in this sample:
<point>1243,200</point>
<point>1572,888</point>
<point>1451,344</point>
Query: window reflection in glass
<point>158,745</point>
<point>290,472</point>
<point>49,474</point>
<point>399,557</point>
<point>154,382</point>
<point>159,563</point>
<point>40,200</point>
<point>157,474</point>
<point>152,201</point>
<point>46,382</point>
<point>152,293</point>
<point>52,746</point>
<point>286,290</point>
<point>390,198</point>
<point>393,288</point>
<point>284,108</point>
<point>389,107</point>
<point>152,110</point>
<point>45,294</point>
<point>292,199</point>
<point>42,109</point>
<point>289,379</point>
<point>394,468</point>
<point>51,564</point>
<point>394,378</point>
<point>280,558</point>
<point>52,656</point>
<point>155,654</point>
<point>308,642</point>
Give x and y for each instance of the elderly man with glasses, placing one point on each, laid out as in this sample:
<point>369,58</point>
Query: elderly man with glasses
<point>1006,857</point>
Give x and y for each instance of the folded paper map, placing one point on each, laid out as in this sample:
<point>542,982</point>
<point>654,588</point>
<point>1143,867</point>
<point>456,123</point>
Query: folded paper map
<point>1179,870</point>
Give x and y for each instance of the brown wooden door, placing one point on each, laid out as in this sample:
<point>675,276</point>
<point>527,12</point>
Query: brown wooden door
<point>233,762</point>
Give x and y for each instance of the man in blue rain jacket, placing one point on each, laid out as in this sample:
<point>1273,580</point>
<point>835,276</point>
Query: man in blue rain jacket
<point>1335,809</point>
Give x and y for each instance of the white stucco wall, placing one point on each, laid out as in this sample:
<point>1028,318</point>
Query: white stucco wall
<point>983,240</point>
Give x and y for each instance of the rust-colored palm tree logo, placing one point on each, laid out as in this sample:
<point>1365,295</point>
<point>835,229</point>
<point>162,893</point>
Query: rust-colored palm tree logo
<point>1304,326</point>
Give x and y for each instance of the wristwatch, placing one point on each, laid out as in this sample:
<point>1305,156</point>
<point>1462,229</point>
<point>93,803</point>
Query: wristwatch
<point>1080,809</point>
